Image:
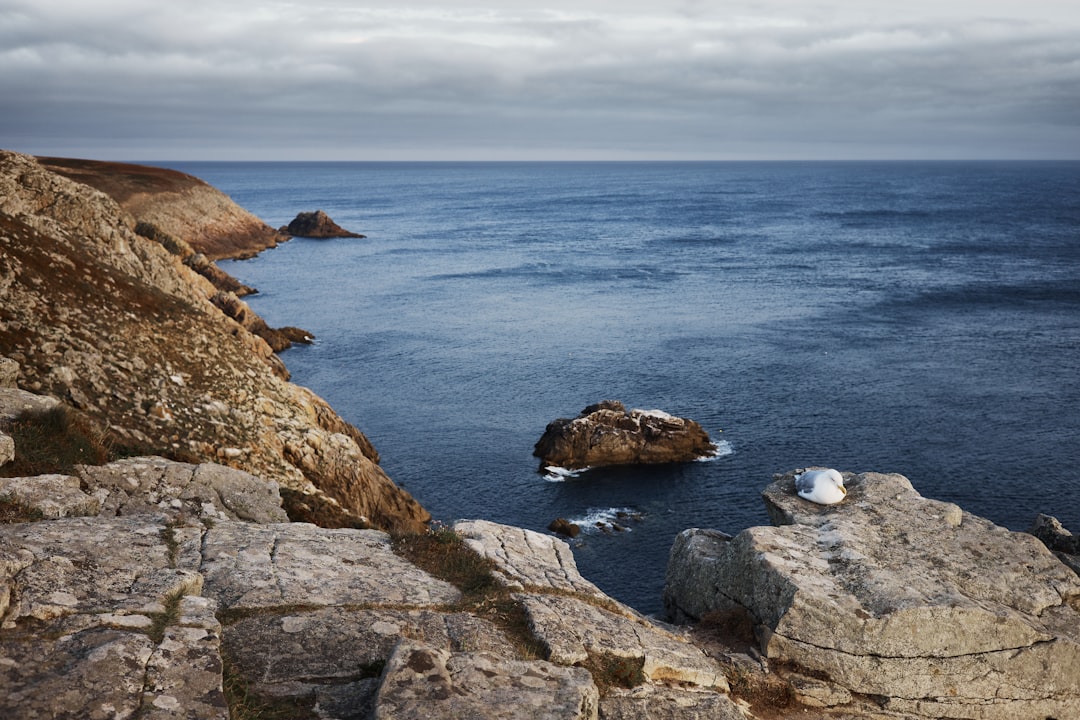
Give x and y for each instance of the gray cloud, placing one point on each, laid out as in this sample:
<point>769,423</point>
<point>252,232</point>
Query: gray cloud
<point>594,78</point>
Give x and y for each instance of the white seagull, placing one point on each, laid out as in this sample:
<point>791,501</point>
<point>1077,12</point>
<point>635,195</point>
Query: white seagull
<point>825,487</point>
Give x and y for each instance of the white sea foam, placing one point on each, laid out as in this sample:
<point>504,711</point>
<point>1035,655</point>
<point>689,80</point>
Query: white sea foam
<point>554,473</point>
<point>605,519</point>
<point>721,448</point>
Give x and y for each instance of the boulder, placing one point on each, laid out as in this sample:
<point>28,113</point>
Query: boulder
<point>562,526</point>
<point>607,434</point>
<point>53,496</point>
<point>938,612</point>
<point>316,225</point>
<point>1061,542</point>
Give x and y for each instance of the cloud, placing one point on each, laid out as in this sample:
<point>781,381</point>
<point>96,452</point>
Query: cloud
<point>593,77</point>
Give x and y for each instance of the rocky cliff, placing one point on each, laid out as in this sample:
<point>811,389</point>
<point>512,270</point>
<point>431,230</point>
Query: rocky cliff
<point>120,327</point>
<point>160,587</point>
<point>177,203</point>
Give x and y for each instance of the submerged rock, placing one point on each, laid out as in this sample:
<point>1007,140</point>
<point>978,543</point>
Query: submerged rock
<point>940,613</point>
<point>608,434</point>
<point>317,225</point>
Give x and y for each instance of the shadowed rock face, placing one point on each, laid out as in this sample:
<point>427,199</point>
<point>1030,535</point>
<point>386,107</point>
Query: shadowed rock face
<point>608,434</point>
<point>895,595</point>
<point>123,329</point>
<point>317,225</point>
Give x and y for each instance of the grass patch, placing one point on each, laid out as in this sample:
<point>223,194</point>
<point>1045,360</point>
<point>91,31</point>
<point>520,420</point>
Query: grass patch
<point>55,441</point>
<point>162,620</point>
<point>246,705</point>
<point>610,671</point>
<point>318,510</point>
<point>764,692</point>
<point>443,553</point>
<point>13,511</point>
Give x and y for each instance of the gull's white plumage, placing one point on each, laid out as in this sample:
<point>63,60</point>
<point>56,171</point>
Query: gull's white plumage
<point>824,487</point>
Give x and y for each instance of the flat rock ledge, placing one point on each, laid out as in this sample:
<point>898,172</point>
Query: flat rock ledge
<point>149,614</point>
<point>930,610</point>
<point>608,434</point>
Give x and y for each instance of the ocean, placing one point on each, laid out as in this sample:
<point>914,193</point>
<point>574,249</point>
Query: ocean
<point>910,317</point>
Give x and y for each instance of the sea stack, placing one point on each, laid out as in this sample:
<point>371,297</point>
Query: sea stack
<point>608,434</point>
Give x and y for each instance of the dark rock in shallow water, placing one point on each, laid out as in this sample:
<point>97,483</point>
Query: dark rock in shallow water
<point>607,434</point>
<point>317,225</point>
<point>562,526</point>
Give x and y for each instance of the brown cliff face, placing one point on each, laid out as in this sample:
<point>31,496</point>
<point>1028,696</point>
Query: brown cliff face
<point>114,324</point>
<point>177,203</point>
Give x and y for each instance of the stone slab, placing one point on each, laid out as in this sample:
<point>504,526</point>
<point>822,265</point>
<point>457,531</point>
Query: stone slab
<point>526,559</point>
<point>422,682</point>
<point>251,566</point>
<point>54,496</point>
<point>573,631</point>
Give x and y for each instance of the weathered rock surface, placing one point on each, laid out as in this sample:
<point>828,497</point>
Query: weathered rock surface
<point>140,615</point>
<point>608,434</point>
<point>176,203</point>
<point>54,496</point>
<point>526,559</point>
<point>574,630</point>
<point>121,328</point>
<point>7,448</point>
<point>157,485</point>
<point>277,338</point>
<point>9,373</point>
<point>423,682</point>
<point>889,594</point>
<point>316,225</point>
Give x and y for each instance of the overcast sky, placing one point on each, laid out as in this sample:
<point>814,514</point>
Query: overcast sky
<point>581,79</point>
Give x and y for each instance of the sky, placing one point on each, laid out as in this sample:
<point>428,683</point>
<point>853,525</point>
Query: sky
<point>541,80</point>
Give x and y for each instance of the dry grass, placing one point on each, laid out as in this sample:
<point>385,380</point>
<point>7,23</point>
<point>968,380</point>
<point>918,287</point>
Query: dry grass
<point>247,705</point>
<point>12,511</point>
<point>55,441</point>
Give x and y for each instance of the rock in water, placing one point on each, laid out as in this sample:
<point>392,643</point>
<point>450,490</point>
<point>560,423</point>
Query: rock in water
<point>607,434</point>
<point>317,225</point>
<point>889,594</point>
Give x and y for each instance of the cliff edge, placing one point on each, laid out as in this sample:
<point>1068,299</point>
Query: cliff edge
<point>116,325</point>
<point>175,202</point>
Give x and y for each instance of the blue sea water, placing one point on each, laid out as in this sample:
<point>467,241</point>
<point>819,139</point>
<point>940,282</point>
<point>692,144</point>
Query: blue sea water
<point>920,318</point>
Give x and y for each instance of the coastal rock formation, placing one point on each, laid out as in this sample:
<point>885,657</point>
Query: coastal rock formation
<point>607,434</point>
<point>175,203</point>
<point>316,225</point>
<point>938,612</point>
<point>1064,544</point>
<point>162,612</point>
<point>116,325</point>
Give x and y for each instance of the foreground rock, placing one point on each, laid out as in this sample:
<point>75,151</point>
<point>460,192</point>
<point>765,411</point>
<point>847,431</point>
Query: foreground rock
<point>317,225</point>
<point>608,434</point>
<point>937,612</point>
<point>151,615</point>
<point>119,326</point>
